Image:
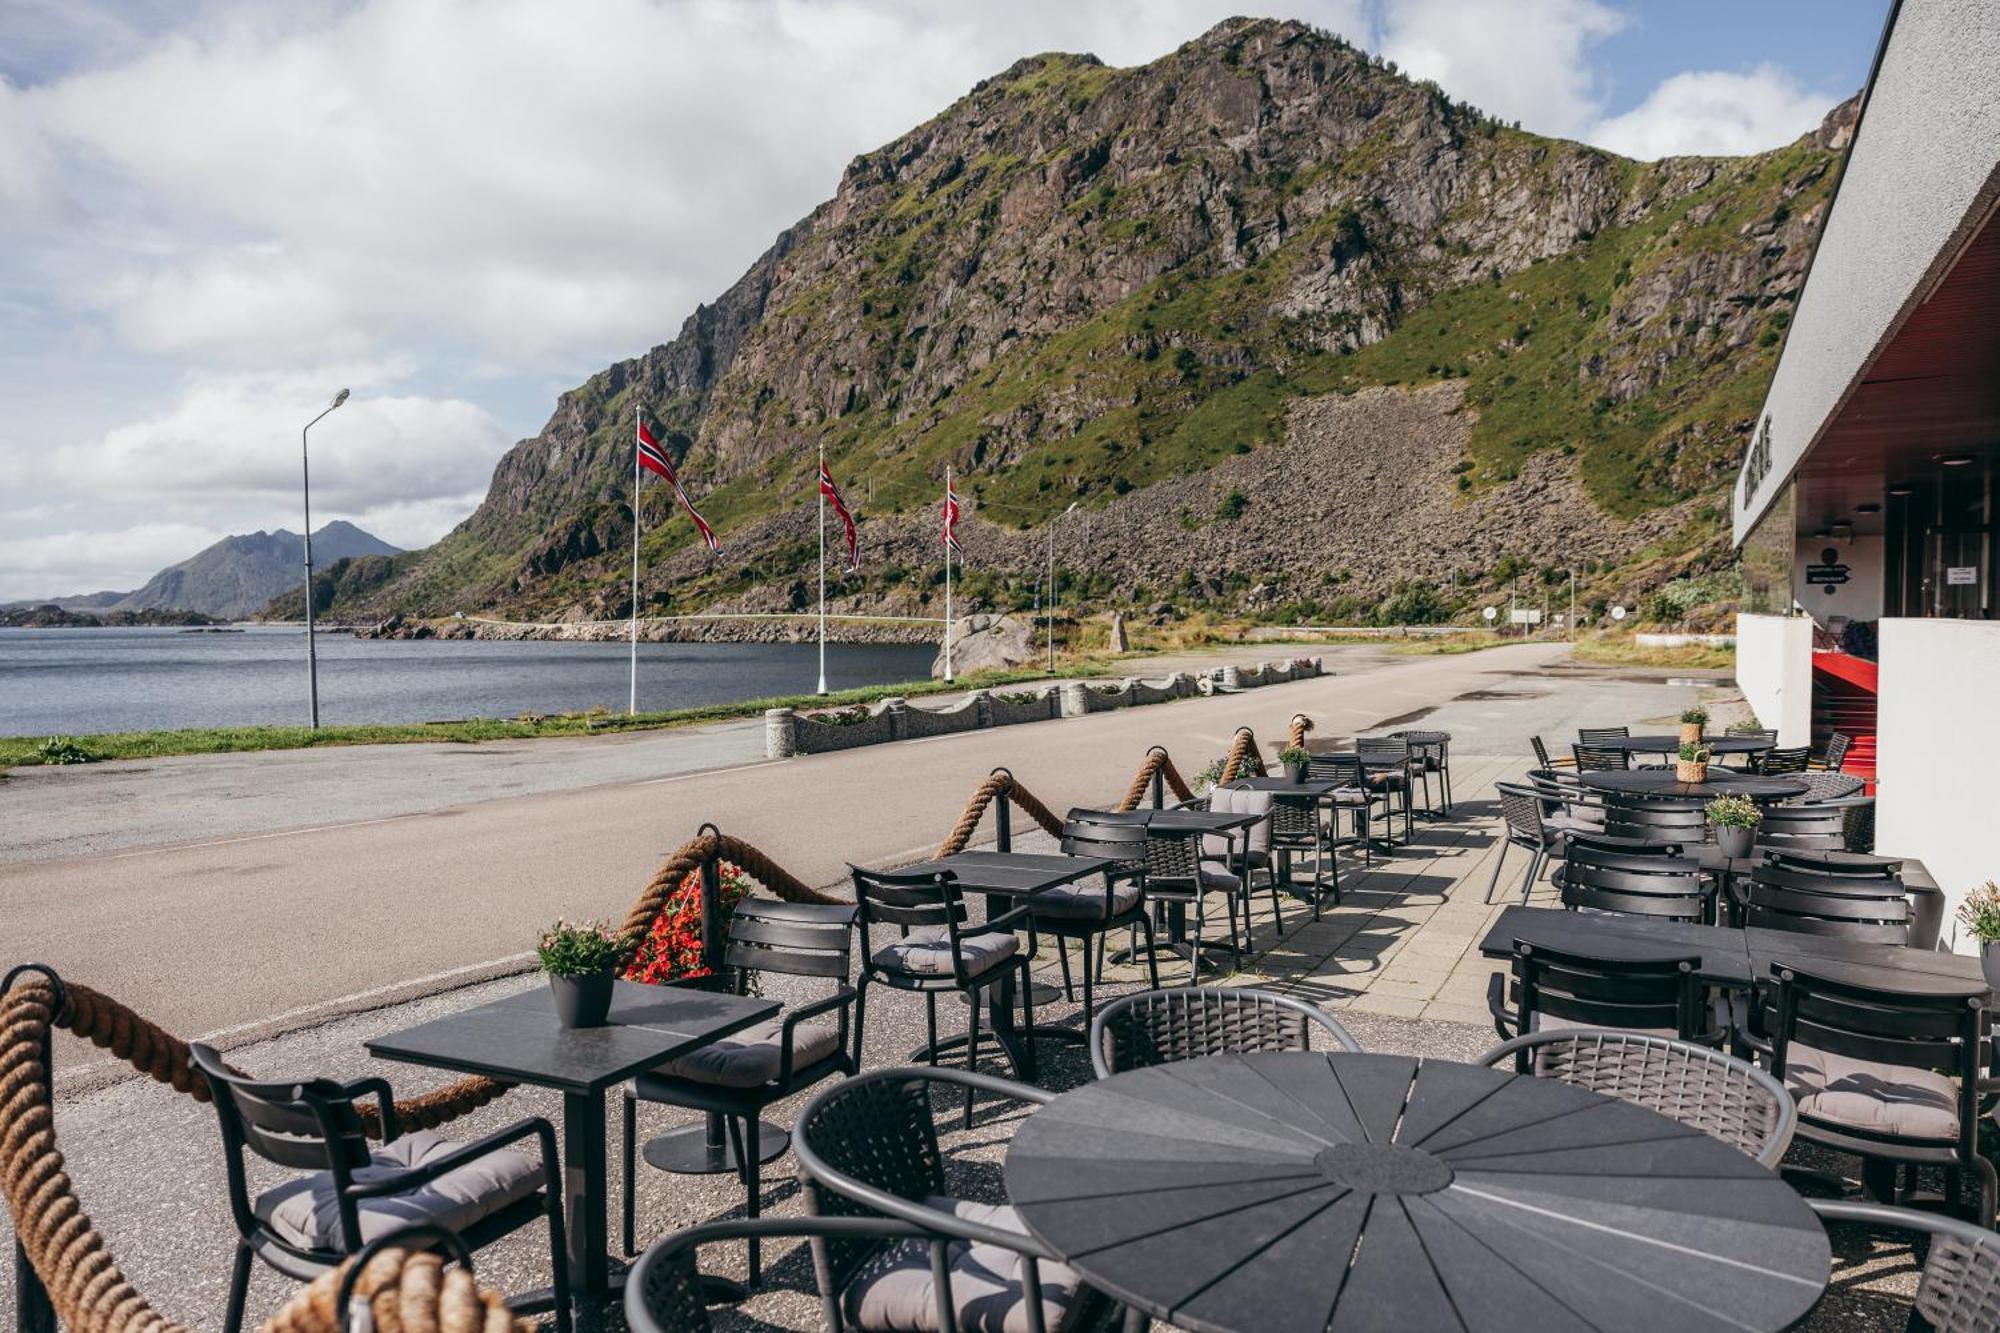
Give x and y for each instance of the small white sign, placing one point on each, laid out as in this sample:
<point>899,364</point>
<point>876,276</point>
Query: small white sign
<point>1524,616</point>
<point>1961,575</point>
<point>1491,613</point>
<point>1617,613</point>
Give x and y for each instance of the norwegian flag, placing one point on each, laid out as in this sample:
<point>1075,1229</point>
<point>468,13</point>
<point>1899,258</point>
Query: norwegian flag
<point>654,459</point>
<point>951,519</point>
<point>832,494</point>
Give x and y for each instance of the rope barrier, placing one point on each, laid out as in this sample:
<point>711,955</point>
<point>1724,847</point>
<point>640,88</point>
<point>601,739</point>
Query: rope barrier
<point>1244,757</point>
<point>409,1291</point>
<point>689,856</point>
<point>1157,762</point>
<point>1301,724</point>
<point>998,783</point>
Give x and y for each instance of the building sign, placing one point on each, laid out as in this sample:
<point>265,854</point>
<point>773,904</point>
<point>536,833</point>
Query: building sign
<point>1829,573</point>
<point>1757,465</point>
<point>1961,576</point>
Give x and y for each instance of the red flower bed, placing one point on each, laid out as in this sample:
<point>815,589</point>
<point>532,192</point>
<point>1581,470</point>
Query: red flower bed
<point>671,950</point>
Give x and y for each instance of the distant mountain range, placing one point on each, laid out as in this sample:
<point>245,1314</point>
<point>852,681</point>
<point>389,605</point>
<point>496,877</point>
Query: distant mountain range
<point>237,577</point>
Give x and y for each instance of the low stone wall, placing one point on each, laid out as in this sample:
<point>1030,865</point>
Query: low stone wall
<point>788,732</point>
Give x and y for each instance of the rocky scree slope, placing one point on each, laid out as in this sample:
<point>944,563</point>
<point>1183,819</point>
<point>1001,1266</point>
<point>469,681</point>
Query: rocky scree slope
<point>1130,286</point>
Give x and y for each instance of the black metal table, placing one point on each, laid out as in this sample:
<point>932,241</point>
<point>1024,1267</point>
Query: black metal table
<point>1732,956</point>
<point>1277,1192</point>
<point>1666,744</point>
<point>1662,783</point>
<point>1003,877</point>
<point>518,1040</point>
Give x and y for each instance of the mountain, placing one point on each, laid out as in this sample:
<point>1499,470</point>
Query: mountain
<point>1298,333</point>
<point>236,577</point>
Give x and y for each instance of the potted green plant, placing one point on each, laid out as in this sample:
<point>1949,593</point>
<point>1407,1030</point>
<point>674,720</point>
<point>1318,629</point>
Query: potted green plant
<point>1980,914</point>
<point>1692,765</point>
<point>1209,778</point>
<point>582,962</point>
<point>1735,820</point>
<point>1693,720</point>
<point>1295,758</point>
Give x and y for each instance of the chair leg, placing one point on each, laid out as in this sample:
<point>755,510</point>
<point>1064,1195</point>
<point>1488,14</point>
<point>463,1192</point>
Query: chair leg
<point>1069,991</point>
<point>1089,1002</point>
<point>558,1256</point>
<point>631,1204</point>
<point>1194,950</point>
<point>753,1170</point>
<point>972,1049</point>
<point>930,1022</point>
<point>1498,861</point>
<point>1534,873</point>
<point>239,1290</point>
<point>1152,956</point>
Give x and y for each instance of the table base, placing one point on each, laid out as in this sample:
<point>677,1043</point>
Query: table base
<point>687,1151</point>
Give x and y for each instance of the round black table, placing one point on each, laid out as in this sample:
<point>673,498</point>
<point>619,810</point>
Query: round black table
<point>1663,783</point>
<point>1665,744</point>
<point>1279,1192</point>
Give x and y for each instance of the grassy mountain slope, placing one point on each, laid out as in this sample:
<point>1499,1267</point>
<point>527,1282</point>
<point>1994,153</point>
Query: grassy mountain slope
<point>1081,284</point>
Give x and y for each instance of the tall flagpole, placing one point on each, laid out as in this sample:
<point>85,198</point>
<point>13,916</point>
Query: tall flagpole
<point>947,573</point>
<point>632,704</point>
<point>820,486</point>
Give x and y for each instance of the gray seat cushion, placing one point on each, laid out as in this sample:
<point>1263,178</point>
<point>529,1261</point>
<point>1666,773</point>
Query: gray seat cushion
<point>303,1212</point>
<point>927,952</point>
<point>751,1058</point>
<point>1084,902</point>
<point>1876,1098</point>
<point>1228,801</point>
<point>1215,877</point>
<point>893,1291</point>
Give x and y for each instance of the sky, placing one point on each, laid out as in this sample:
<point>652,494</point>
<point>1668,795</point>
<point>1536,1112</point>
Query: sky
<point>216,213</point>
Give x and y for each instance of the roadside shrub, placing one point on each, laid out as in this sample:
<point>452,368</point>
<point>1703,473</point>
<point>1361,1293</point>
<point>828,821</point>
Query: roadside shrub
<point>65,750</point>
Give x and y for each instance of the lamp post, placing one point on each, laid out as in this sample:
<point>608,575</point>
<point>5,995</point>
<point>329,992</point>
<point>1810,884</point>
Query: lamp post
<point>305,477</point>
<point>1052,580</point>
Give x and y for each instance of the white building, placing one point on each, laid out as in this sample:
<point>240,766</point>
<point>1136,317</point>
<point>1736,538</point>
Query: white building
<point>1865,511</point>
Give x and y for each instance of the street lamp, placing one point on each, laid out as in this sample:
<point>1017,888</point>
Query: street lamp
<point>1052,580</point>
<point>305,477</point>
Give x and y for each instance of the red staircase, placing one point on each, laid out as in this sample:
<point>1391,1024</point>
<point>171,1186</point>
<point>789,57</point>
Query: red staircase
<point>1844,690</point>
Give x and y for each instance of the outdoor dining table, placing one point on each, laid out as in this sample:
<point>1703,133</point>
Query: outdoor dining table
<point>1004,877</point>
<point>1735,956</point>
<point>518,1040</point>
<point>1663,784</point>
<point>1671,744</point>
<point>1274,1192</point>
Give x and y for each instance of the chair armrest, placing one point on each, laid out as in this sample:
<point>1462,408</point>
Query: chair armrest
<point>532,1127</point>
<point>1018,915</point>
<point>1505,1021</point>
<point>793,1017</point>
<point>385,1103</point>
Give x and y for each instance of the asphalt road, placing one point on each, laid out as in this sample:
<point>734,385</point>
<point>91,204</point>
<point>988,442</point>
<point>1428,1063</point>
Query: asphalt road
<point>216,933</point>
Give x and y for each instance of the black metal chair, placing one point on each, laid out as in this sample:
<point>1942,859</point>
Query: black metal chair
<point>1865,909</point>
<point>1296,831</point>
<point>737,1077</point>
<point>1959,1288</point>
<point>1600,878</point>
<point>1634,990</point>
<point>868,1149</point>
<point>482,1190</point>
<point>1821,827</point>
<point>1353,795</point>
<point>936,949</point>
<point>1599,758</point>
<point>1778,762</point>
<point>1529,825</point>
<point>1598,735</point>
<point>1716,1093</point>
<point>1387,765</point>
<point>1159,1027</point>
<point>1542,759</point>
<point>1180,878</point>
<point>1643,820</point>
<point>1766,736</point>
<point>1430,752</point>
<point>1088,913</point>
<point>1889,1075</point>
<point>1837,745</point>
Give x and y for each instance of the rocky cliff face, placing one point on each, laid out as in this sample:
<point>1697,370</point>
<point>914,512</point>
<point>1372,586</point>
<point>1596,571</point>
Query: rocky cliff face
<point>1139,288</point>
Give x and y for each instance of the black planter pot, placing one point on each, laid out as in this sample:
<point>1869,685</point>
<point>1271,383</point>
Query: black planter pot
<point>1296,772</point>
<point>582,1002</point>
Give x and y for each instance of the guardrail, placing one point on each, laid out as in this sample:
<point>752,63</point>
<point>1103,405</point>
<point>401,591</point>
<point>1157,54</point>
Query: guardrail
<point>789,732</point>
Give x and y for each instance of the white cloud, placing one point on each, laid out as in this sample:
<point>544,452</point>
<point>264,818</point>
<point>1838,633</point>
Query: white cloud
<point>93,559</point>
<point>1714,112</point>
<point>1525,60</point>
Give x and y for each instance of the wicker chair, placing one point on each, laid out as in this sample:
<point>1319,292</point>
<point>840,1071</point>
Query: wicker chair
<point>1719,1094</point>
<point>1825,786</point>
<point>1176,874</point>
<point>1159,1027</point>
<point>1959,1291</point>
<point>664,1292</point>
<point>1891,1076</point>
<point>1837,745</point>
<point>1390,767</point>
<point>1529,825</point>
<point>868,1148</point>
<point>1089,913</point>
<point>1354,795</point>
<point>1600,758</point>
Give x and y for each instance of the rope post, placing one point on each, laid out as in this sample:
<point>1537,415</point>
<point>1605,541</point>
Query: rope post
<point>1003,822</point>
<point>711,904</point>
<point>1160,787</point>
<point>33,1311</point>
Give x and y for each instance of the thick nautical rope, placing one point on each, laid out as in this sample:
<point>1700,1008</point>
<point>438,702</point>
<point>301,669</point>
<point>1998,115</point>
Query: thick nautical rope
<point>1301,724</point>
<point>999,783</point>
<point>1244,756</point>
<point>673,872</point>
<point>86,1288</point>
<point>1157,761</point>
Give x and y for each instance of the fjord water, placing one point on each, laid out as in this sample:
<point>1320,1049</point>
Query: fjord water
<point>75,681</point>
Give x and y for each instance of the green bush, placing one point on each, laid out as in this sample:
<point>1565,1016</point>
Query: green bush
<point>64,750</point>
<point>1413,604</point>
<point>577,951</point>
<point>1232,505</point>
